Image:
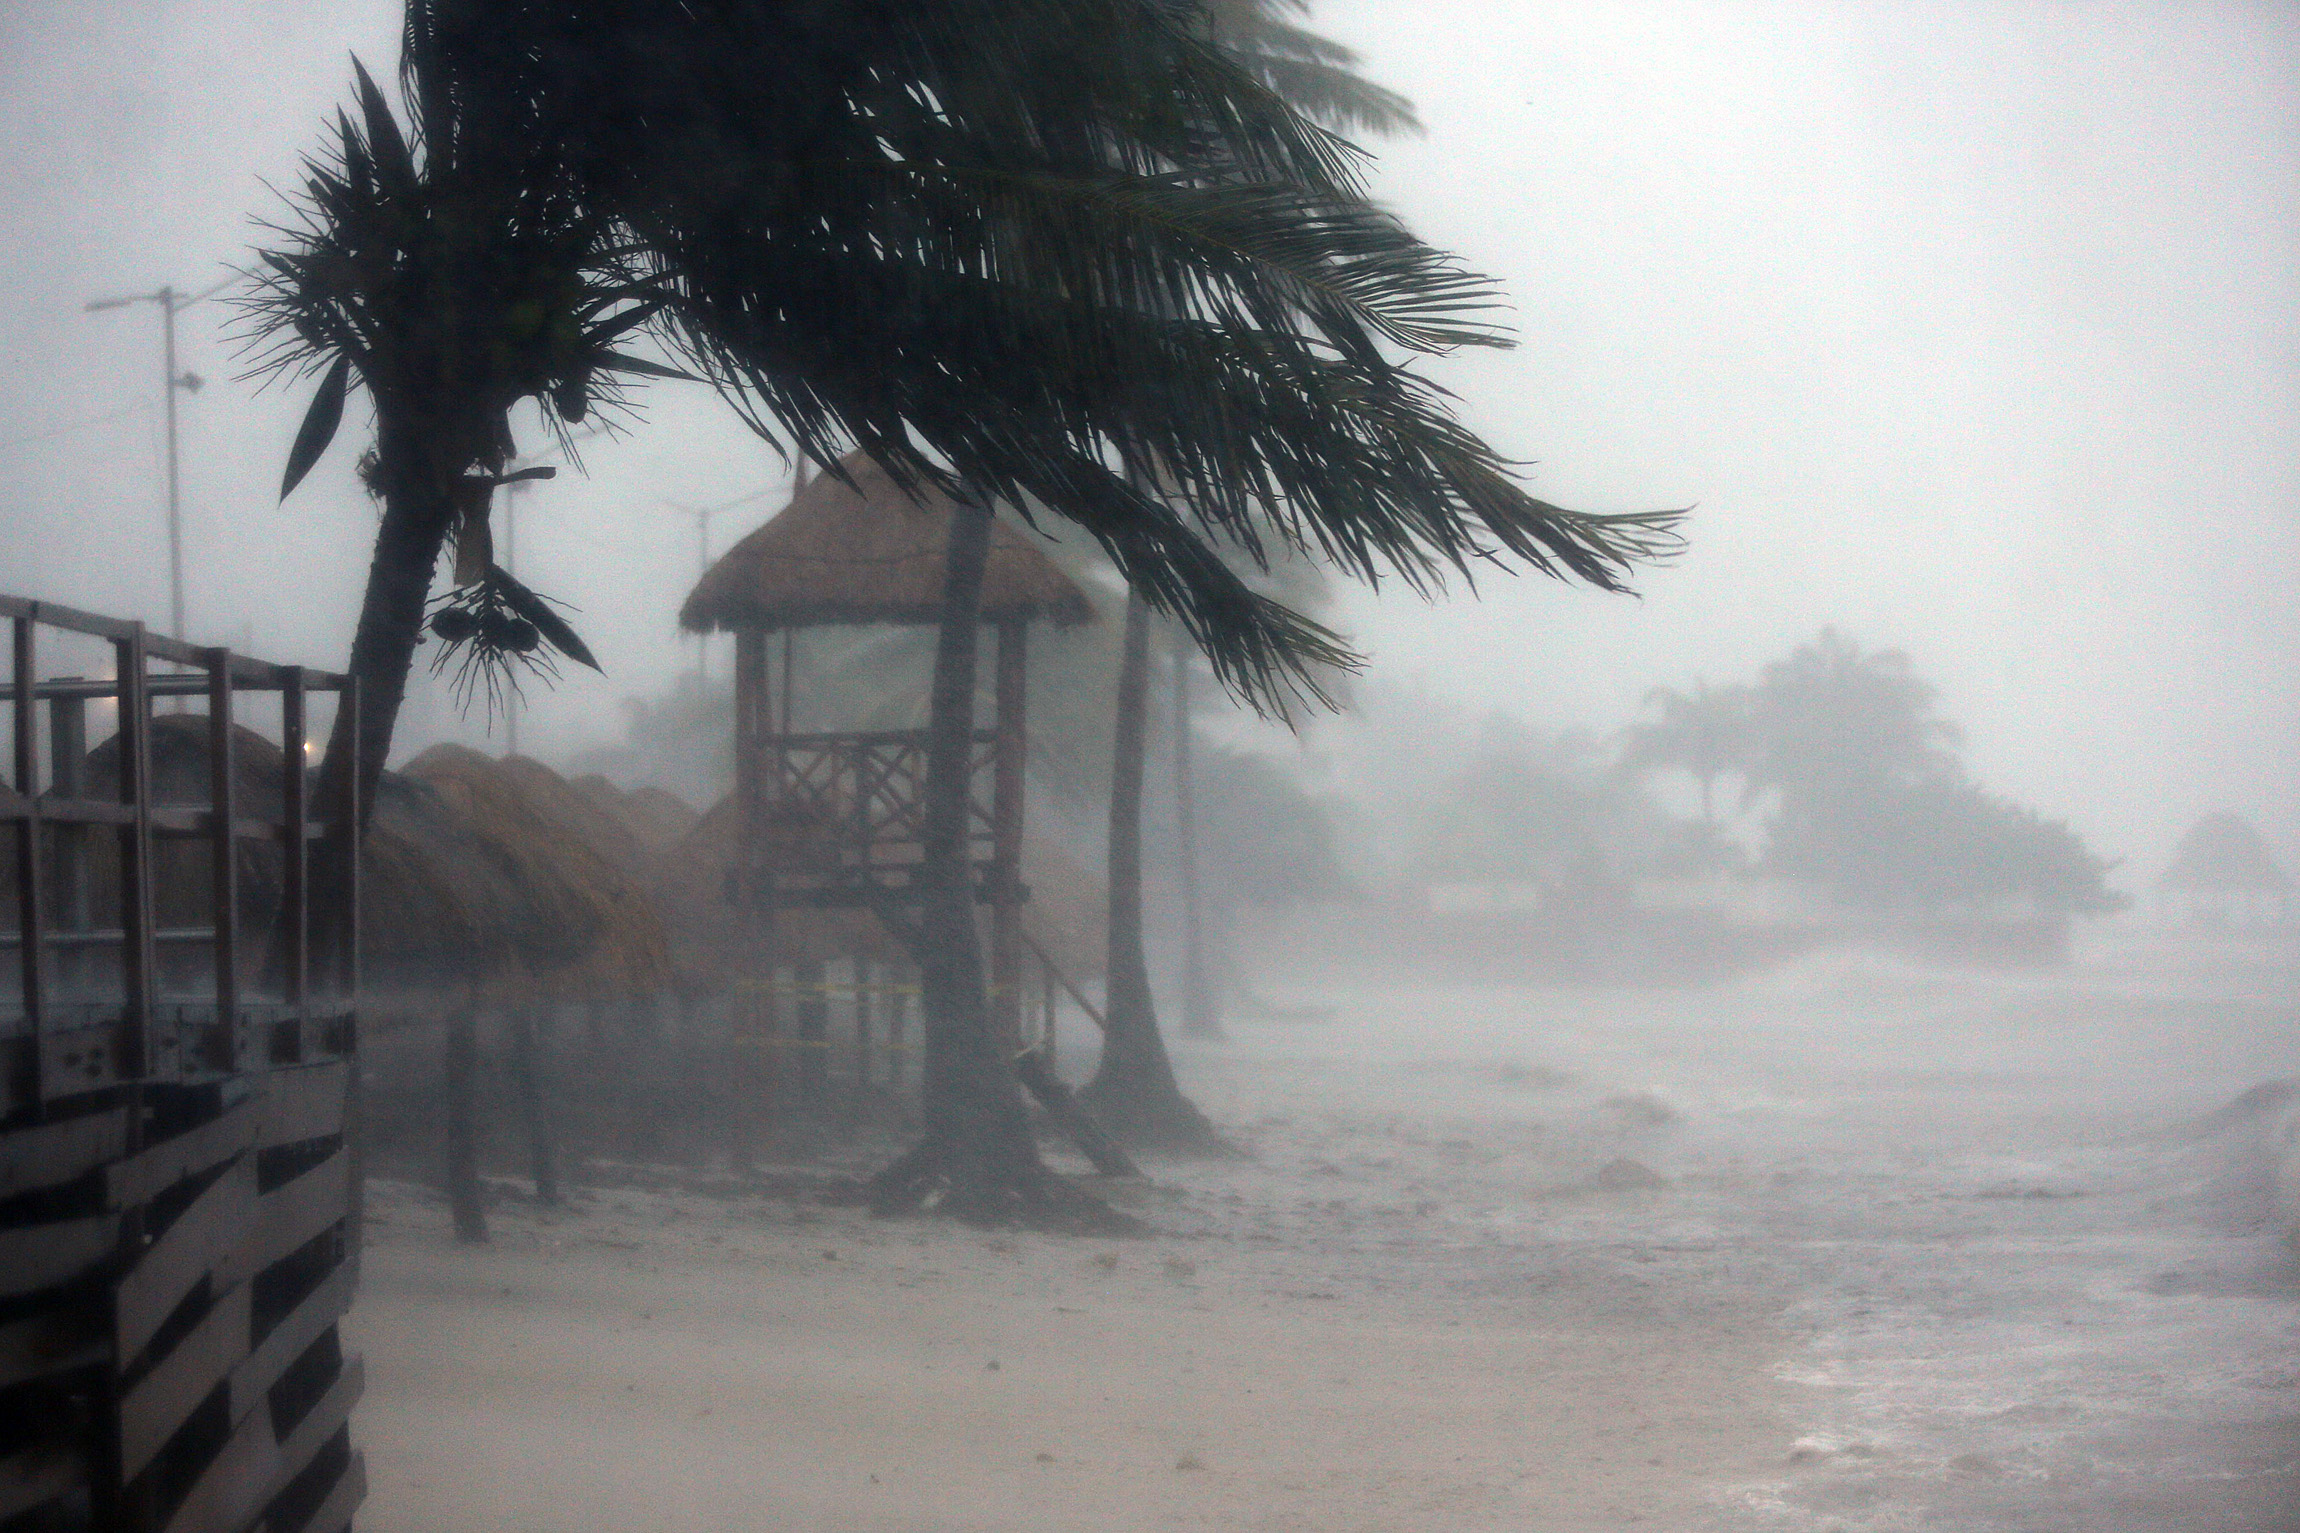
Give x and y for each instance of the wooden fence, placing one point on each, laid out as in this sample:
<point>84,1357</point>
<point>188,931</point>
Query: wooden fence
<point>179,1185</point>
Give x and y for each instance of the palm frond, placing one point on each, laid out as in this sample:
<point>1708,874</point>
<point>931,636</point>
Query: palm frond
<point>1027,248</point>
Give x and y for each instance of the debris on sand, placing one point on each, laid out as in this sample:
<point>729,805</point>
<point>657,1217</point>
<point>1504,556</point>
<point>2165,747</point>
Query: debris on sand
<point>1622,1174</point>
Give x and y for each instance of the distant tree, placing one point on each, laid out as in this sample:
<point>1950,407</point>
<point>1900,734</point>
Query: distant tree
<point>1832,725</point>
<point>1874,807</point>
<point>1704,733</point>
<point>1270,841</point>
<point>1943,843</point>
<point>1134,1092</point>
<point>2224,874</point>
<point>1525,807</point>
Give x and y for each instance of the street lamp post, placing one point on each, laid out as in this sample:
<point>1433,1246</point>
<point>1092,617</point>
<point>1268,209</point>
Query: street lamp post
<point>170,303</point>
<point>702,516</point>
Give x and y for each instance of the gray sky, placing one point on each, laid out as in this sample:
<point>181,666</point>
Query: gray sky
<point>1969,328</point>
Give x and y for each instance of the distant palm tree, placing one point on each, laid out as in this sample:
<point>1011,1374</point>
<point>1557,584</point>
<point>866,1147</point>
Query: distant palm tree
<point>1705,733</point>
<point>1012,248</point>
<point>1834,723</point>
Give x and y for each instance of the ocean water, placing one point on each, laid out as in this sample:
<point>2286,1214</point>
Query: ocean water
<point>2020,1233</point>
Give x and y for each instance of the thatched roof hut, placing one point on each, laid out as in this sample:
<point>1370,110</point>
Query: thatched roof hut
<point>653,817</point>
<point>868,552</point>
<point>513,845</point>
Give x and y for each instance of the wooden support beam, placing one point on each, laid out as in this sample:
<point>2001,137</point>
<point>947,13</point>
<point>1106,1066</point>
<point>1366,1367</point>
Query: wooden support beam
<point>224,876</point>
<point>68,779</point>
<point>1070,1116</point>
<point>344,815</point>
<point>1006,835</point>
<point>750,737</point>
<point>1093,1012</point>
<point>31,879</point>
<point>138,963</point>
<point>295,886</point>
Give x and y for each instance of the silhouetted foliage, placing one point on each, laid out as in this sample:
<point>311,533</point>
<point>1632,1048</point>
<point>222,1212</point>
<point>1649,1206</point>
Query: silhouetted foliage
<point>1870,802</point>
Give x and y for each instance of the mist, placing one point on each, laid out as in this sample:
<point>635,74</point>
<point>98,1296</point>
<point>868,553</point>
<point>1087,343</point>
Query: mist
<point>1824,1014</point>
<point>1966,329</point>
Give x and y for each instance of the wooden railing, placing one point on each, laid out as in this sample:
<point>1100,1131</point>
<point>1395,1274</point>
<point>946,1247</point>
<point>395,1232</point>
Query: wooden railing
<point>840,819</point>
<point>178,1172</point>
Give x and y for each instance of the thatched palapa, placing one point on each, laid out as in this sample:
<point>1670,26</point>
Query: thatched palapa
<point>513,842</point>
<point>869,553</point>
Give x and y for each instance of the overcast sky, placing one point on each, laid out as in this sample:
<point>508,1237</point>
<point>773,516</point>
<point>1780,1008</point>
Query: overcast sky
<point>1967,328</point>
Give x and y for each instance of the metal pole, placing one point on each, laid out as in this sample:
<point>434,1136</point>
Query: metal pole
<point>511,567</point>
<point>166,298</point>
<point>170,303</point>
<point>702,568</point>
<point>702,516</point>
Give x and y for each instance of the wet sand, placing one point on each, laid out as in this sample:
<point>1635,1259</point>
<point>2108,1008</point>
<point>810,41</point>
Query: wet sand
<point>1848,1247</point>
<point>670,1361</point>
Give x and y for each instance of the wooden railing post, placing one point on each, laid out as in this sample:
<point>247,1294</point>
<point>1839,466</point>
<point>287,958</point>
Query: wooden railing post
<point>295,811</point>
<point>347,825</point>
<point>1006,838</point>
<point>31,895</point>
<point>68,844</point>
<point>223,842</point>
<point>138,964</point>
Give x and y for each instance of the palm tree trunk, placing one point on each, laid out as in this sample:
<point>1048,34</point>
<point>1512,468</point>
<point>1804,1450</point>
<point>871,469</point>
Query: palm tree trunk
<point>418,514</point>
<point>459,1064</point>
<point>977,1158</point>
<point>1201,1000</point>
<point>1133,1092</point>
<point>530,1052</point>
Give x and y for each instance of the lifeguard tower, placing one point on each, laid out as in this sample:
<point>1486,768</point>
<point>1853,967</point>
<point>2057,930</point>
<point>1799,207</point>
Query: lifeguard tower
<point>832,820</point>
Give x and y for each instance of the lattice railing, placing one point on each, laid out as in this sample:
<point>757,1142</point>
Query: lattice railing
<point>841,817</point>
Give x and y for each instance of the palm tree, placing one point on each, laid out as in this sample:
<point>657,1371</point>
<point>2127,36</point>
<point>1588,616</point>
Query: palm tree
<point>1134,1090</point>
<point>1025,251</point>
<point>1833,725</point>
<point>1705,733</point>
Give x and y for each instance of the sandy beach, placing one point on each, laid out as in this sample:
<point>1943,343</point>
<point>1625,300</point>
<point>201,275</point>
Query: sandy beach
<point>1849,1247</point>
